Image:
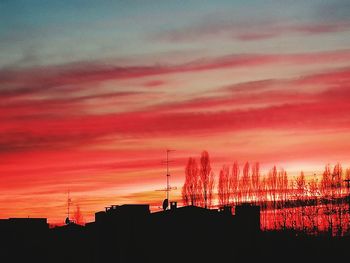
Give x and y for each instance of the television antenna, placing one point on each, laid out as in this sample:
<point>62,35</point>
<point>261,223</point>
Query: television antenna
<point>168,187</point>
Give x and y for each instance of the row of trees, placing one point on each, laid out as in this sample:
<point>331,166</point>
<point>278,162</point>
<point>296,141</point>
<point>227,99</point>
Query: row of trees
<point>279,195</point>
<point>199,183</point>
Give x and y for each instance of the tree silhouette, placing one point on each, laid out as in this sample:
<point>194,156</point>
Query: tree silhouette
<point>301,190</point>
<point>245,183</point>
<point>190,189</point>
<point>327,192</point>
<point>326,181</point>
<point>256,181</point>
<point>308,204</point>
<point>337,179</point>
<point>78,216</point>
<point>337,182</point>
<point>206,180</point>
<point>234,183</point>
<point>272,188</point>
<point>224,186</point>
<point>347,178</point>
<point>300,183</point>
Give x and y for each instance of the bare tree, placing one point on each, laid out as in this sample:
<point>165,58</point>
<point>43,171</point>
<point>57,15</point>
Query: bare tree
<point>337,179</point>
<point>255,181</point>
<point>282,186</point>
<point>272,188</point>
<point>326,181</point>
<point>337,183</point>
<point>314,208</point>
<point>234,183</point>
<point>206,180</point>
<point>78,216</point>
<point>185,195</point>
<point>245,183</point>
<point>272,184</point>
<point>327,195</point>
<point>224,186</point>
<point>190,194</point>
<point>347,178</point>
<point>300,184</point>
<point>301,190</point>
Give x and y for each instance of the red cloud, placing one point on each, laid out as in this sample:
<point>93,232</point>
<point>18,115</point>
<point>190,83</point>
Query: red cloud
<point>280,108</point>
<point>154,83</point>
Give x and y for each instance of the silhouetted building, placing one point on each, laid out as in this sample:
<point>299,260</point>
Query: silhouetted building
<point>226,209</point>
<point>23,239</point>
<point>24,225</point>
<point>116,212</point>
<point>122,229</point>
<point>130,233</point>
<point>173,205</point>
<point>248,217</point>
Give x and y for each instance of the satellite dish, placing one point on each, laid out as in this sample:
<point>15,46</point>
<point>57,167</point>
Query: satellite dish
<point>165,204</point>
<point>67,221</point>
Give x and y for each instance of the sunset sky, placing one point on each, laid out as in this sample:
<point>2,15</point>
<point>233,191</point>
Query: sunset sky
<point>92,93</point>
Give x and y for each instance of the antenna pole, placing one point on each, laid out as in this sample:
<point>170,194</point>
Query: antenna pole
<point>167,174</point>
<point>168,188</point>
<point>68,204</point>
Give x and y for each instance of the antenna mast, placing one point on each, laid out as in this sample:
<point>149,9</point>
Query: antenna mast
<point>69,201</point>
<point>168,187</point>
<point>167,174</point>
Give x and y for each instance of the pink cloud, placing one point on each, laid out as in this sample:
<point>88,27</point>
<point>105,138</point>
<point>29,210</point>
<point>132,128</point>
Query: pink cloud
<point>69,78</point>
<point>279,108</point>
<point>154,83</point>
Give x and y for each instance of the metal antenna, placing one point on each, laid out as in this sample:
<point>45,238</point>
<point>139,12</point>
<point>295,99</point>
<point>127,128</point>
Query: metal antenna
<point>167,173</point>
<point>69,201</point>
<point>168,187</point>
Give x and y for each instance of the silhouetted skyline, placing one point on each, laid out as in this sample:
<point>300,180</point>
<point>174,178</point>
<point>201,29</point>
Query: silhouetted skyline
<point>130,233</point>
<point>93,92</point>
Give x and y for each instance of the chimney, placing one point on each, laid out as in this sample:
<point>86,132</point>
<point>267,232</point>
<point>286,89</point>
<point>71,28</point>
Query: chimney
<point>173,205</point>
